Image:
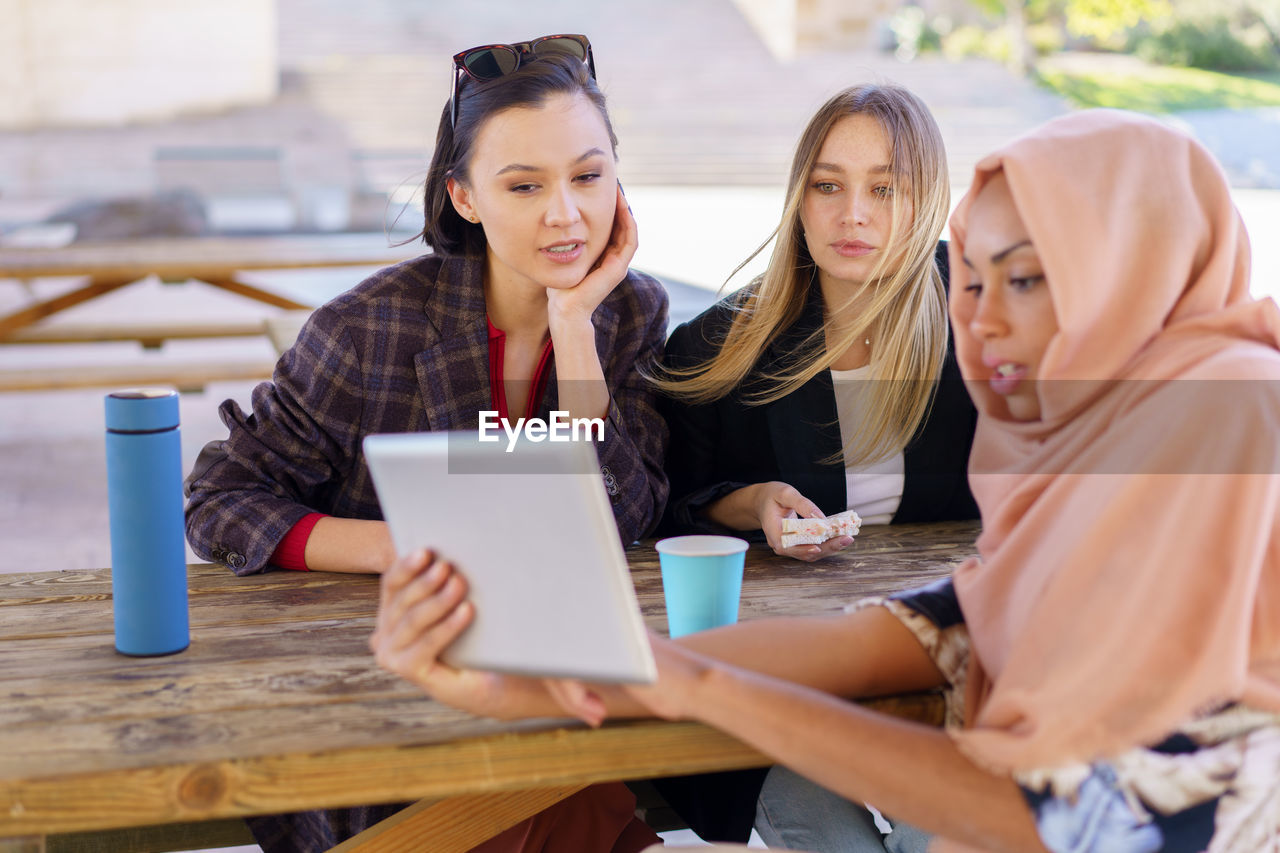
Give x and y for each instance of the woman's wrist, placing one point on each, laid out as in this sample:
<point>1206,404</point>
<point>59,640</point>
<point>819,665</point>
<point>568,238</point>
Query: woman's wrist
<point>570,326</point>
<point>757,500</point>
<point>350,545</point>
<point>705,689</point>
<point>583,392</point>
<point>520,697</point>
<point>386,547</point>
<point>739,510</point>
<point>376,551</point>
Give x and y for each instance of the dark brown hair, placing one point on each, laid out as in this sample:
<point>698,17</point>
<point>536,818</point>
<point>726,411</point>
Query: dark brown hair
<point>528,86</point>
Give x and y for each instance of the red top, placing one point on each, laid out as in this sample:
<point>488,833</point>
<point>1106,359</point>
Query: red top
<point>291,552</point>
<point>498,391</point>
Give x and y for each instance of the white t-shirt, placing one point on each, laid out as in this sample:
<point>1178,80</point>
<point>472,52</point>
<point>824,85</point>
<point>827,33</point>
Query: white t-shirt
<point>873,490</point>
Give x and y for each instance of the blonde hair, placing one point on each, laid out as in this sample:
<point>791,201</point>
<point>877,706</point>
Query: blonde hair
<point>908,309</point>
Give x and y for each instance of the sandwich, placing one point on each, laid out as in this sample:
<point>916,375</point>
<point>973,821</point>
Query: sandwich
<point>815,531</point>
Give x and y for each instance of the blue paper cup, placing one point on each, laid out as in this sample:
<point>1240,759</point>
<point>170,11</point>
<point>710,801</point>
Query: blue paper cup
<point>701,581</point>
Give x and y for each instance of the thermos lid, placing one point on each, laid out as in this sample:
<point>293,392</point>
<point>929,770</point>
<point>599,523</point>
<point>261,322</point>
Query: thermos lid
<point>142,410</point>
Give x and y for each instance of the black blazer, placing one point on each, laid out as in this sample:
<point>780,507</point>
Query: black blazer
<point>718,447</point>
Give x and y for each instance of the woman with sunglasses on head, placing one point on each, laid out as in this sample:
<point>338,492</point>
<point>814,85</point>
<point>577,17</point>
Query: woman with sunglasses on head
<point>826,384</point>
<point>1112,657</point>
<point>524,307</point>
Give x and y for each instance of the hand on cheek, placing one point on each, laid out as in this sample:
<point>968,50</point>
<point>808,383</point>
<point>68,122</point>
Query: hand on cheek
<point>580,302</point>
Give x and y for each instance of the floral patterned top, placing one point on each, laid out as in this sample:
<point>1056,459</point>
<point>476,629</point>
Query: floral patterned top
<point>1213,785</point>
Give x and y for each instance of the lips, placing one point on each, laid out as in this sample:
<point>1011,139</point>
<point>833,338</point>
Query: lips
<point>564,251</point>
<point>1006,375</point>
<point>852,248</point>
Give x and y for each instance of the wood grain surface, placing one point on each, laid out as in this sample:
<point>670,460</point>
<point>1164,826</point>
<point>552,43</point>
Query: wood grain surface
<point>180,258</point>
<point>278,705</point>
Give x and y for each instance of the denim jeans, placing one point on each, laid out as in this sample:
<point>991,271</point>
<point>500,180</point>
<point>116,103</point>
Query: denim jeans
<point>796,814</point>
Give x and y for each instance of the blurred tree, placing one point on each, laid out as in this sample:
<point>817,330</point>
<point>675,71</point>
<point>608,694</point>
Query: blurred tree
<point>1104,20</point>
<point>1097,20</point>
<point>1223,35</point>
<point>1021,56</point>
<point>1014,12</point>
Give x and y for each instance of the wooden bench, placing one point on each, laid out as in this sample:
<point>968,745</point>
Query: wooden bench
<point>149,335</point>
<point>217,262</point>
<point>183,376</point>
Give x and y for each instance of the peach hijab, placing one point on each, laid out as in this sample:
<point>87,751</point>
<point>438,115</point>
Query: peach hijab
<point>1129,576</point>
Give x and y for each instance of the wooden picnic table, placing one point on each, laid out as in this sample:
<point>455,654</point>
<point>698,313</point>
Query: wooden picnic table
<point>279,706</point>
<point>219,262</point>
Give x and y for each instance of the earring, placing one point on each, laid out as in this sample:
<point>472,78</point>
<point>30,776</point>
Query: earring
<point>474,218</point>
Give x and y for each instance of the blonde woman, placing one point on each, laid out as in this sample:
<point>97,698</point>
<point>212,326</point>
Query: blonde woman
<point>826,384</point>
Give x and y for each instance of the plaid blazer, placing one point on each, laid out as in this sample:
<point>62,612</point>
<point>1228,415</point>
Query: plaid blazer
<point>407,350</point>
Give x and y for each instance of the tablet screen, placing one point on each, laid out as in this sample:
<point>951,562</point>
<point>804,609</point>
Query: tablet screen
<point>530,527</point>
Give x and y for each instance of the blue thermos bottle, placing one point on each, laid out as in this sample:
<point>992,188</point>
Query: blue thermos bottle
<point>144,495</point>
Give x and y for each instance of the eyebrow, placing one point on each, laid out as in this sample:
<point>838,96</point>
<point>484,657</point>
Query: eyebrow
<point>831,167</point>
<point>1000,255</point>
<point>520,167</point>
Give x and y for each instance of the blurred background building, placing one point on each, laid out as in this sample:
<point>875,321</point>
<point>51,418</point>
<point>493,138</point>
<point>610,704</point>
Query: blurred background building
<point>123,120</point>
<point>130,119</point>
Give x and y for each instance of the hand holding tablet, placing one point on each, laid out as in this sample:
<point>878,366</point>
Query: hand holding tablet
<point>532,534</point>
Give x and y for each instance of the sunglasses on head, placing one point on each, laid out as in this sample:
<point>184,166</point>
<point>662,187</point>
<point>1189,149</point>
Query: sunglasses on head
<point>491,61</point>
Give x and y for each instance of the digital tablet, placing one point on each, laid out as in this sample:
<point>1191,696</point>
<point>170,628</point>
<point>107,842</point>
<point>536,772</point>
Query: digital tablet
<point>532,531</point>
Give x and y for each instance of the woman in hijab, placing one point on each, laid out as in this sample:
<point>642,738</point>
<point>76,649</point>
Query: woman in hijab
<point>1112,658</point>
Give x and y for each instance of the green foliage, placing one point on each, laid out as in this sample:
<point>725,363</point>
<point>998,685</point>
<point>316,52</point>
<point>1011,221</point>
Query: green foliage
<point>1100,20</point>
<point>914,33</point>
<point>1045,39</point>
<point>1106,19</point>
<point>1156,89</point>
<point>994,8</point>
<point>1213,41</point>
<point>1228,35</point>
<point>976,41</point>
<point>1035,10</point>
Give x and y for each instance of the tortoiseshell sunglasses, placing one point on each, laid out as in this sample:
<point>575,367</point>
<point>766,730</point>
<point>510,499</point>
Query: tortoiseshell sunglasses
<point>491,61</point>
